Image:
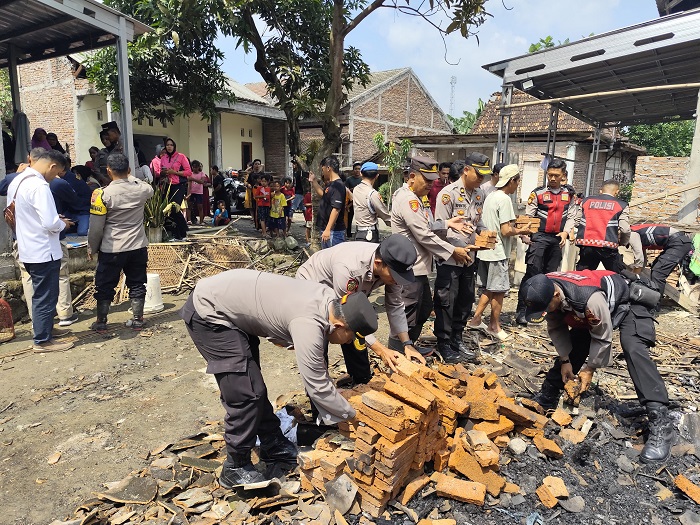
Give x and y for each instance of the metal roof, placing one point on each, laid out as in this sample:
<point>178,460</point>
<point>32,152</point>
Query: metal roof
<point>42,29</point>
<point>660,52</point>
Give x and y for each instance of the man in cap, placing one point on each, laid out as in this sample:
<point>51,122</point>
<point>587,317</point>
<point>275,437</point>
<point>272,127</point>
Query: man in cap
<point>489,186</point>
<point>410,218</point>
<point>227,314</point>
<point>454,283</point>
<point>364,267</point>
<point>493,275</point>
<point>582,308</point>
<point>555,206</point>
<point>368,205</point>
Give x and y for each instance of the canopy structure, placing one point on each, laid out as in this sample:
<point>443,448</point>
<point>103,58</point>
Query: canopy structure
<point>642,74</point>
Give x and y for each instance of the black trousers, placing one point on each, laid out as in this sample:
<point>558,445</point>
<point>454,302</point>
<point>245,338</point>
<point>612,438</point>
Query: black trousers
<point>589,258</point>
<point>543,256</point>
<point>351,216</point>
<point>678,245</point>
<point>637,335</point>
<point>109,267</point>
<point>361,235</point>
<point>453,300</point>
<point>418,303</point>
<point>234,359</point>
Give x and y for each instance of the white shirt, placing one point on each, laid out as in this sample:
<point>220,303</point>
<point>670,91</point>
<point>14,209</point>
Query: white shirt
<point>38,223</point>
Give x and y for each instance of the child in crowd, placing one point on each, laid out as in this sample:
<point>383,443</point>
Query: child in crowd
<point>288,192</point>
<point>262,200</point>
<point>278,221</point>
<point>195,193</point>
<point>221,214</point>
<point>308,216</point>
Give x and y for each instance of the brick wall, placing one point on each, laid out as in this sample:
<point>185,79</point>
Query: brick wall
<point>275,144</point>
<point>47,93</point>
<point>655,175</point>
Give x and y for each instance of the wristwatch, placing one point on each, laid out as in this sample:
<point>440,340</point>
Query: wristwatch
<point>564,360</point>
<point>407,342</point>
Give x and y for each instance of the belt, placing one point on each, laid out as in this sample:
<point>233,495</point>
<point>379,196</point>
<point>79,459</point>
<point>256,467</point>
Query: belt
<point>374,228</point>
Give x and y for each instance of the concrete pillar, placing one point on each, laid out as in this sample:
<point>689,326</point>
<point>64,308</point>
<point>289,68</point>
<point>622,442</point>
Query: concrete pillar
<point>216,142</point>
<point>688,214</point>
<point>127,127</point>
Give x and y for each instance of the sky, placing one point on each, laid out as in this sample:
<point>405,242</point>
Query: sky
<point>389,40</point>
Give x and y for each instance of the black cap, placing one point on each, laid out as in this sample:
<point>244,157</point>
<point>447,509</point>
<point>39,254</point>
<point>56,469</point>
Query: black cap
<point>111,125</point>
<point>359,314</point>
<point>498,167</point>
<point>479,162</point>
<point>538,292</point>
<point>426,167</point>
<point>399,254</point>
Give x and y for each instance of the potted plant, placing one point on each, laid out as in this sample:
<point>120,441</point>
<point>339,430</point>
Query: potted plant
<point>154,218</point>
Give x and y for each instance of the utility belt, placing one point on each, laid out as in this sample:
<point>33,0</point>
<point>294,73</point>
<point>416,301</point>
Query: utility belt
<point>642,291</point>
<point>368,232</point>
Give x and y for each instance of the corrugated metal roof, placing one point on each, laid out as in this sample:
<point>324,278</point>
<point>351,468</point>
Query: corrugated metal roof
<point>42,29</point>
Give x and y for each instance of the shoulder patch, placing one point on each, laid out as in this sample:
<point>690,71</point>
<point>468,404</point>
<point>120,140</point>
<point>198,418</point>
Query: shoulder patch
<point>414,204</point>
<point>97,206</point>
<point>352,286</point>
<point>532,198</point>
<point>445,199</point>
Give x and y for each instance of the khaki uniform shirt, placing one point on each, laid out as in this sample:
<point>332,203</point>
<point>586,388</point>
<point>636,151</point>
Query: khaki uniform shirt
<point>347,268</point>
<point>368,207</point>
<point>254,302</point>
<point>455,201</point>
<point>116,216</point>
<point>413,220</point>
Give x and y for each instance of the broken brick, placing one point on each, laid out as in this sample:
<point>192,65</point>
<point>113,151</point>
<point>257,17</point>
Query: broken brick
<point>390,434</point>
<point>310,459</point>
<point>532,405</point>
<point>546,497</point>
<point>460,490</point>
<point>408,397</point>
<point>571,435</point>
<point>495,428</point>
<point>490,379</point>
<point>572,389</point>
<point>441,460</point>
<point>467,465</point>
<point>413,488</point>
<point>383,403</point>
<point>548,447</point>
<point>501,441</point>
<point>688,487</point>
<point>444,521</point>
<point>556,486</point>
<point>511,488</point>
<point>521,415</point>
<point>484,410</point>
<point>561,417</point>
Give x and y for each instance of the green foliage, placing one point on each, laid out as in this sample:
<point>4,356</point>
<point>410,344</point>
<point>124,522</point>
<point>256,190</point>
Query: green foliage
<point>385,191</point>
<point>175,69</point>
<point>666,139</point>
<point>394,158</point>
<point>5,96</point>
<point>625,192</point>
<point>153,216</point>
<point>464,124</point>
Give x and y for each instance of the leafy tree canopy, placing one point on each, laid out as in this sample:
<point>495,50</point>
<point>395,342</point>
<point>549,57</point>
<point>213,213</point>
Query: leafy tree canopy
<point>666,139</point>
<point>464,124</point>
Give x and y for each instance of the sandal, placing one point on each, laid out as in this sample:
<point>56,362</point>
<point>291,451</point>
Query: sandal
<point>501,335</point>
<point>482,327</point>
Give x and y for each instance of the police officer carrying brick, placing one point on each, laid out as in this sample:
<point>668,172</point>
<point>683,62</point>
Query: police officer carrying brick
<point>368,205</point>
<point>228,313</point>
<point>674,243</point>
<point>582,308</point>
<point>555,206</point>
<point>117,234</point>
<point>410,218</point>
<point>604,225</point>
<point>454,283</point>
<point>364,267</point>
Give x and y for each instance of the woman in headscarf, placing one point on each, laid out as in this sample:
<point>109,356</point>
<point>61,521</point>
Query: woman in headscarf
<point>39,139</point>
<point>52,139</point>
<point>176,167</point>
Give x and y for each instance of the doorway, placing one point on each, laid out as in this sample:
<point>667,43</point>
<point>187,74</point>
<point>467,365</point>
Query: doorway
<point>246,153</point>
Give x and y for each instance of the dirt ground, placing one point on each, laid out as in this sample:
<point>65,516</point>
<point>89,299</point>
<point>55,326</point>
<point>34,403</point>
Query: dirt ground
<point>111,399</point>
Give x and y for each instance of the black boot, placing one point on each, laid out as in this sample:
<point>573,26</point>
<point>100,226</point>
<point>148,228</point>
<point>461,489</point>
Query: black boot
<point>662,434</point>
<point>520,317</point>
<point>449,354</point>
<point>239,470</point>
<point>100,324</point>
<point>464,351</point>
<point>277,449</point>
<point>137,322</point>
<point>548,396</point>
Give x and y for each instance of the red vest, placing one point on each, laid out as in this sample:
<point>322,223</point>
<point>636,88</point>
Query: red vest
<point>599,223</point>
<point>654,236</point>
<point>553,207</point>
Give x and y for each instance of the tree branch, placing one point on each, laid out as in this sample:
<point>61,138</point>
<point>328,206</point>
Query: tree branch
<point>362,15</point>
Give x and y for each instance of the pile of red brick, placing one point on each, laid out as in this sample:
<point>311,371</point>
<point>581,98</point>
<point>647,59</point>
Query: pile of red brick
<point>409,418</point>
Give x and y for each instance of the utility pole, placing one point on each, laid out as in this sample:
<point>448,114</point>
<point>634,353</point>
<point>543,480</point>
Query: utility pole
<point>453,83</point>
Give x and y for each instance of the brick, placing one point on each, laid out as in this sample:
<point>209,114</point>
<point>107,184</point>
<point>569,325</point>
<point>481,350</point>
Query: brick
<point>379,497</point>
<point>532,405</point>
<point>546,497</point>
<point>547,447</point>
<point>383,403</point>
<point>324,443</point>
<point>414,387</point>
<point>688,487</point>
<point>377,382</point>
<point>490,379</point>
<point>361,447</point>
<point>310,459</point>
<point>529,432</point>
<point>447,384</point>
<point>561,417</point>
<point>571,435</point>
<point>511,488</point>
<point>501,441</point>
<point>388,433</point>
<point>495,428</point>
<point>483,449</point>
<point>484,410</point>
<point>450,371</point>
<point>522,415</point>
<point>364,478</point>
<point>441,460</point>
<point>578,422</point>
<point>394,449</point>
<point>414,372</point>
<point>367,434</point>
<point>464,463</point>
<point>556,486</point>
<point>460,490</point>
<point>408,397</point>
<point>395,423</point>
<point>572,389</point>
<point>445,521</point>
<point>413,488</point>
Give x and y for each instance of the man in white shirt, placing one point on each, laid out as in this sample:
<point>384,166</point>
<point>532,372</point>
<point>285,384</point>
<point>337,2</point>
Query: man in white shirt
<point>38,227</point>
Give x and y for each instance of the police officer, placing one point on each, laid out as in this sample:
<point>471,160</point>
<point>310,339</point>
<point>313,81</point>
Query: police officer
<point>604,224</point>
<point>674,243</point>
<point>410,218</point>
<point>454,283</point>
<point>117,234</point>
<point>582,308</point>
<point>555,206</point>
<point>225,317</point>
<point>368,205</point>
<point>364,267</point>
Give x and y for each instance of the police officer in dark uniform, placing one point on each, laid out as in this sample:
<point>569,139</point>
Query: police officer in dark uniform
<point>227,314</point>
<point>555,206</point>
<point>604,225</point>
<point>582,308</point>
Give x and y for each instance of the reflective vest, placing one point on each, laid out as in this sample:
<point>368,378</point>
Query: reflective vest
<point>653,236</point>
<point>552,208</point>
<point>578,288</point>
<point>600,221</point>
